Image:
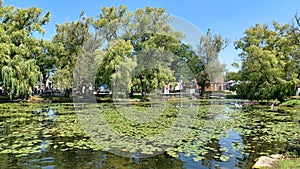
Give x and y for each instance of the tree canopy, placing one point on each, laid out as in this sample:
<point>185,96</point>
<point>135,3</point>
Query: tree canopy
<point>208,51</point>
<point>146,49</point>
<point>269,69</point>
<point>145,35</point>
<point>22,55</point>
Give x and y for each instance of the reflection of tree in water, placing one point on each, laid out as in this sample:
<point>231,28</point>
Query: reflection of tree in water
<point>263,133</point>
<point>260,132</point>
<point>66,145</point>
<point>161,161</point>
<point>86,159</point>
<point>210,157</point>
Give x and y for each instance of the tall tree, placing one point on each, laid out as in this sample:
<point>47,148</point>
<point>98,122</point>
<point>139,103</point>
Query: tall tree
<point>188,65</point>
<point>142,30</point>
<point>45,53</point>
<point>149,20</point>
<point>110,26</point>
<point>88,62</point>
<point>117,52</point>
<point>122,78</point>
<point>70,38</point>
<point>111,22</point>
<point>208,50</point>
<point>20,76</point>
<point>295,37</point>
<point>154,42</point>
<point>153,70</point>
<point>155,54</point>
<point>19,45</point>
<point>268,68</point>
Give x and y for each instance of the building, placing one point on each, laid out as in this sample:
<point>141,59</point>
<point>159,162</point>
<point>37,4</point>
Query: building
<point>216,84</point>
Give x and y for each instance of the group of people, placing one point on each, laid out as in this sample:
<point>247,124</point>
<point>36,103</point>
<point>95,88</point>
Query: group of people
<point>48,91</point>
<point>87,88</point>
<point>38,90</point>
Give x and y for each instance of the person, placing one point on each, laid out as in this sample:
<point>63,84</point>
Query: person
<point>90,88</point>
<point>298,91</point>
<point>83,89</point>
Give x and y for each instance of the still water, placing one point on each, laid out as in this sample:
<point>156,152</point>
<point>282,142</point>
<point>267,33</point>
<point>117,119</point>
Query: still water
<point>49,136</point>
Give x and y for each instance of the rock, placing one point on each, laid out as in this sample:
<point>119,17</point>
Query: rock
<point>264,162</point>
<point>276,156</point>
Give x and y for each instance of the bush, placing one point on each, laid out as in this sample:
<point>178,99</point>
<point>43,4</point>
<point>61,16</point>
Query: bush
<point>291,103</point>
<point>233,96</point>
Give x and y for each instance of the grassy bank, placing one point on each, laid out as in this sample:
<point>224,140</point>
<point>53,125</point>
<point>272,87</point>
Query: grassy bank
<point>291,103</point>
<point>287,164</point>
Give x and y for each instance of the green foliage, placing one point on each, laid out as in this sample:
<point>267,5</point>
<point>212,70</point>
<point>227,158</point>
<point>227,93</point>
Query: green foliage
<point>126,34</point>
<point>235,76</point>
<point>208,50</point>
<point>116,54</point>
<point>23,57</point>
<point>210,68</point>
<point>258,127</point>
<point>110,22</point>
<point>154,42</point>
<point>291,103</point>
<point>294,33</point>
<point>20,76</point>
<point>45,54</point>
<point>287,163</point>
<point>87,64</point>
<point>150,20</point>
<point>148,35</point>
<point>70,40</point>
<point>260,132</point>
<point>268,68</point>
<point>122,78</point>
<point>153,69</point>
<point>61,78</point>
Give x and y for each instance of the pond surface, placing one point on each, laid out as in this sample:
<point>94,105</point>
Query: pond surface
<point>52,136</point>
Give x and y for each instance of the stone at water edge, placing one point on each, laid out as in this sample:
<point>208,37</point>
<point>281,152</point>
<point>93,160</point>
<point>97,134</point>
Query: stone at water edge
<point>276,156</point>
<point>264,162</point>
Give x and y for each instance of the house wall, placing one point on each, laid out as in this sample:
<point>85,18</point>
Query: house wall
<point>216,87</point>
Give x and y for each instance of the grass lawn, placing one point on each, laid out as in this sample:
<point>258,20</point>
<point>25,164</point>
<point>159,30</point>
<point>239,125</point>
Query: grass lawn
<point>287,164</point>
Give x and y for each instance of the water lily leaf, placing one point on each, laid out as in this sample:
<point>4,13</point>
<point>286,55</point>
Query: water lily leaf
<point>199,158</point>
<point>224,158</point>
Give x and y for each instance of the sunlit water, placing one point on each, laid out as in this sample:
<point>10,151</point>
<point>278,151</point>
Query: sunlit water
<point>49,151</point>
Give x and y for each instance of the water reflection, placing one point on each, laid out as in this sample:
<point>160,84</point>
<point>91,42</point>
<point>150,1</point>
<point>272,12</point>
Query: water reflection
<point>87,159</point>
<point>46,136</point>
<point>236,155</point>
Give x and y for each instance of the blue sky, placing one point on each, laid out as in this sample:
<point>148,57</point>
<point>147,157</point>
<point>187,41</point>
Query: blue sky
<point>228,18</point>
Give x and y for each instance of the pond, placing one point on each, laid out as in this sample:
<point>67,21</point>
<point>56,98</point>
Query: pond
<point>64,135</point>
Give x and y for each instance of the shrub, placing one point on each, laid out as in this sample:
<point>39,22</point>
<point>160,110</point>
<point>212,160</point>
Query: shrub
<point>291,103</point>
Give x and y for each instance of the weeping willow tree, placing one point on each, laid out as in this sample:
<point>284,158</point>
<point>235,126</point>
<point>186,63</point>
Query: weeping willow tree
<point>20,76</point>
<point>23,56</point>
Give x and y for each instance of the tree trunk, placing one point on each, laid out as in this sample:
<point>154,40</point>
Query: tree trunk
<point>44,80</point>
<point>131,92</point>
<point>143,87</point>
<point>143,91</point>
